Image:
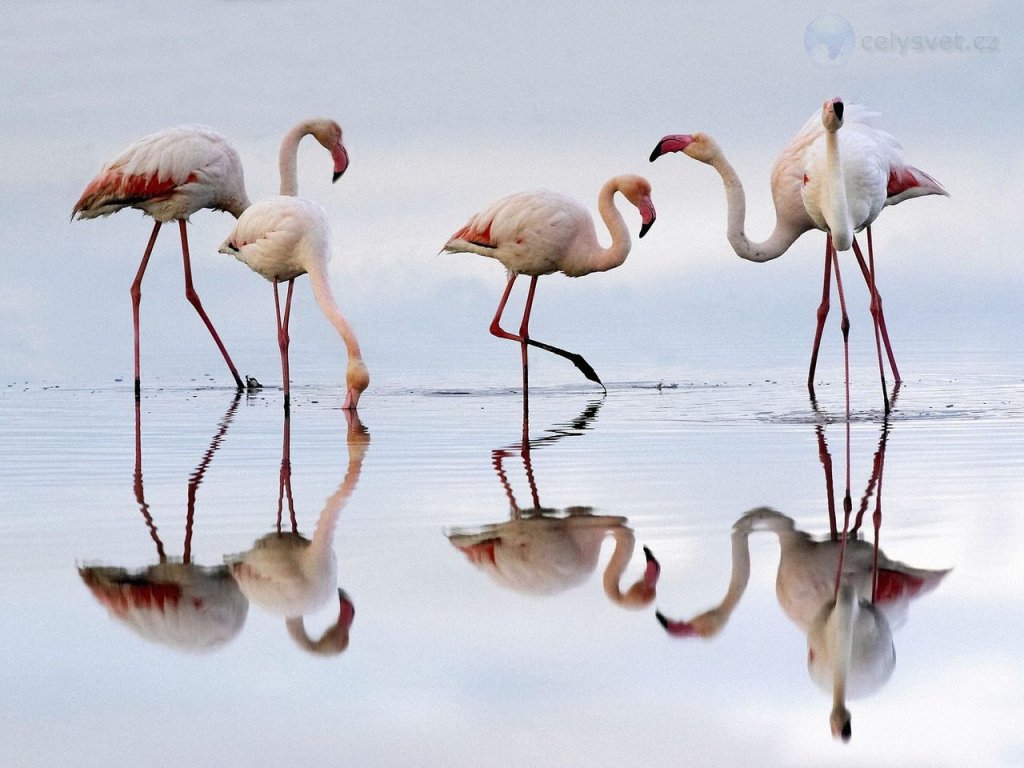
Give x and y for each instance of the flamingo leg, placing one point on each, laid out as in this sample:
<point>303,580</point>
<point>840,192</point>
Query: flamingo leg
<point>822,312</point>
<point>876,317</point>
<point>283,339</point>
<point>881,315</point>
<point>136,292</point>
<point>845,326</point>
<point>825,457</point>
<point>193,298</point>
<point>497,330</point>
<point>524,334</point>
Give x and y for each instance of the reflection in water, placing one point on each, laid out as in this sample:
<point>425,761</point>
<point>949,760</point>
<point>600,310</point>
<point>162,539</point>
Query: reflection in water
<point>181,605</point>
<point>842,591</point>
<point>289,575</point>
<point>542,551</point>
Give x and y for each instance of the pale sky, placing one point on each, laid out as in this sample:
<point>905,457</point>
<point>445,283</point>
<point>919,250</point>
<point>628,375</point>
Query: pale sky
<point>447,107</point>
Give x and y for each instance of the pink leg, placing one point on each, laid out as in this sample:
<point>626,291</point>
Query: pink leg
<point>193,298</point>
<point>845,326</point>
<point>524,333</point>
<point>283,339</point>
<point>136,292</point>
<point>822,312</point>
<point>881,314</point>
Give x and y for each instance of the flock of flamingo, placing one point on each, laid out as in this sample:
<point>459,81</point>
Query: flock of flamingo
<point>836,176</point>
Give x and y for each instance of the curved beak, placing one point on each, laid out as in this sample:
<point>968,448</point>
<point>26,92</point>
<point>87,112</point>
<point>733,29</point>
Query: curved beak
<point>648,215</point>
<point>676,628</point>
<point>676,142</point>
<point>351,399</point>
<point>340,156</point>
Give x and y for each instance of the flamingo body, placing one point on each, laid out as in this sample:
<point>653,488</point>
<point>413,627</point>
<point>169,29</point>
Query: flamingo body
<point>170,175</point>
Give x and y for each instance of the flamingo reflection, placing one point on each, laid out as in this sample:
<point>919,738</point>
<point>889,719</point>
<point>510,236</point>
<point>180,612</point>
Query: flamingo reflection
<point>543,551</point>
<point>179,604</point>
<point>843,592</point>
<point>292,576</point>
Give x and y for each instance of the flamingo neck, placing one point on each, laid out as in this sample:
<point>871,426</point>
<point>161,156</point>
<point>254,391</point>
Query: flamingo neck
<point>325,298</point>
<point>288,159</point>
<point>835,206</point>
<point>603,259</point>
<point>783,236</point>
<point>623,553</point>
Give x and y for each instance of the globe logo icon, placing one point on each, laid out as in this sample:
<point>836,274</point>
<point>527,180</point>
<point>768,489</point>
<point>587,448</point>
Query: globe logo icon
<point>829,40</point>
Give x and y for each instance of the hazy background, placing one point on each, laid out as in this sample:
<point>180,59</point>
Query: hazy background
<point>446,107</point>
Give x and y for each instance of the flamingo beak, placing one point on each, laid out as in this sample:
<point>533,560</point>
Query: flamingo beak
<point>340,156</point>
<point>346,611</point>
<point>648,215</point>
<point>837,106</point>
<point>671,143</point>
<point>351,399</point>
<point>653,570</point>
<point>676,628</point>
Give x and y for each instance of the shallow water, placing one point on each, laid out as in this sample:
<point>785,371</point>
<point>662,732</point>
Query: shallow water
<point>464,658</point>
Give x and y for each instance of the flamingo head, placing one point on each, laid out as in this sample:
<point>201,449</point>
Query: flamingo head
<point>841,723</point>
<point>699,146</point>
<point>832,114</point>
<point>357,379</point>
<point>637,190</point>
<point>328,133</point>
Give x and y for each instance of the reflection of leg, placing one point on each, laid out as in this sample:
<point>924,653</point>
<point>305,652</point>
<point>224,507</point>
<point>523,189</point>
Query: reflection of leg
<point>826,463</point>
<point>822,312</point>
<point>136,291</point>
<point>193,298</point>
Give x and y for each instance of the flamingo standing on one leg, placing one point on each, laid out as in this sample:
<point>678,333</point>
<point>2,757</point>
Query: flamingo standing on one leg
<point>173,173</point>
<point>282,238</point>
<point>850,175</point>
<point>541,232</point>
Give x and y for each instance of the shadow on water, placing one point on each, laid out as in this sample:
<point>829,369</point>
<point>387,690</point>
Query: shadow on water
<point>542,550</point>
<point>842,591</point>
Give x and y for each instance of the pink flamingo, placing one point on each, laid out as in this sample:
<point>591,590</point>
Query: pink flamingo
<point>541,232</point>
<point>826,180</point>
<point>282,238</point>
<point>171,174</point>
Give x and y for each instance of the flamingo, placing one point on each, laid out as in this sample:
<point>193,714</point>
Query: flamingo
<point>827,180</point>
<point>282,238</point>
<point>171,174</point>
<point>541,232</point>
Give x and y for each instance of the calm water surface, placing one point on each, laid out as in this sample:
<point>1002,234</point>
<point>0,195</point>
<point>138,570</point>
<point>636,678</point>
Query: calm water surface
<point>154,564</point>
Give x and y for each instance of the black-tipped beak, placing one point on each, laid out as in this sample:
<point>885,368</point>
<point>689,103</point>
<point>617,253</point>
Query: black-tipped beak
<point>673,143</point>
<point>648,214</point>
<point>837,105</point>
<point>645,227</point>
<point>336,176</point>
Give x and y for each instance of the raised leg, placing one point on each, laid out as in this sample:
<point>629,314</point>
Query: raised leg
<point>136,292</point>
<point>498,331</point>
<point>283,340</point>
<point>193,298</point>
<point>822,312</point>
<point>845,326</point>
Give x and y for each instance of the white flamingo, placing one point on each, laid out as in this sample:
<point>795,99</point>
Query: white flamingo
<point>837,182</point>
<point>282,238</point>
<point>542,232</point>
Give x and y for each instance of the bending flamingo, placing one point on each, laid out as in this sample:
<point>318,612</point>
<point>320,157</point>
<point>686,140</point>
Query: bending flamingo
<point>282,238</point>
<point>541,232</point>
<point>173,173</point>
<point>835,182</point>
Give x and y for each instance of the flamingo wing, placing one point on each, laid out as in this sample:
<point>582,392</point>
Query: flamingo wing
<point>269,235</point>
<point>169,174</point>
<point>530,232</point>
<point>906,182</point>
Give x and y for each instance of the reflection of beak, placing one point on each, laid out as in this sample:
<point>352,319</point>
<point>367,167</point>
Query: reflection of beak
<point>335,640</point>
<point>652,572</point>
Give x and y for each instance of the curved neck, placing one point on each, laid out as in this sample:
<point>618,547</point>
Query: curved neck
<point>288,159</point>
<point>783,236</point>
<point>603,259</point>
<point>325,298</point>
<point>642,592</point>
